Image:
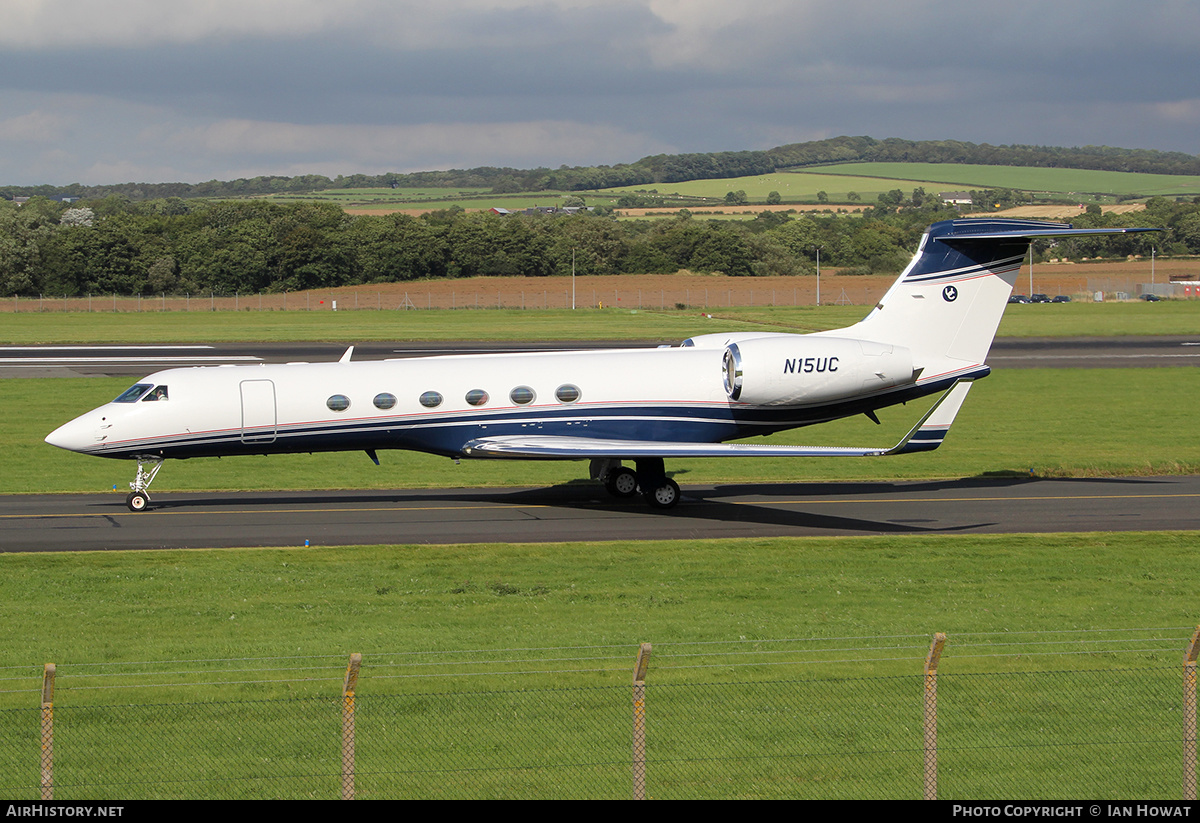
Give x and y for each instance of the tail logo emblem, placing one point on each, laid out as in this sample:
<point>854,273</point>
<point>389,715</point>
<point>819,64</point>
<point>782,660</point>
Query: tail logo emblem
<point>949,294</point>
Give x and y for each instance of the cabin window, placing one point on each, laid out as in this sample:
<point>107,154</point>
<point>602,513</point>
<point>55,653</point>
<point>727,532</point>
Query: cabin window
<point>431,400</point>
<point>567,393</point>
<point>157,393</point>
<point>521,395</point>
<point>477,397</point>
<point>131,394</point>
<point>384,400</point>
<point>338,403</point>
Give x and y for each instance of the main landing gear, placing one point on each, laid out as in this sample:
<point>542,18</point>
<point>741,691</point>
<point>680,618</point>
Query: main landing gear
<point>138,500</point>
<point>660,491</point>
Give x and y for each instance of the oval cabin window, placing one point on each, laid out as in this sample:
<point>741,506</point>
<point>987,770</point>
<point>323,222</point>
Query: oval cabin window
<point>521,395</point>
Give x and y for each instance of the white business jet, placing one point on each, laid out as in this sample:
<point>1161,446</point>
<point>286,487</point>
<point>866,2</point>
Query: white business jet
<point>929,335</point>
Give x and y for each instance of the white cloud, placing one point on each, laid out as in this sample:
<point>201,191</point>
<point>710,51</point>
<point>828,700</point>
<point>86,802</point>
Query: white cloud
<point>59,24</point>
<point>717,32</point>
<point>34,127</point>
<point>1179,111</point>
<point>195,89</point>
<point>34,24</point>
<point>374,148</point>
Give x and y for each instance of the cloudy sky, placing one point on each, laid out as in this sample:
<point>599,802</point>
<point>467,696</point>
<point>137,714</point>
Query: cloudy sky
<point>190,90</point>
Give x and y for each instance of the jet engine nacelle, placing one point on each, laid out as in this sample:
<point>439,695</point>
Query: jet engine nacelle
<point>794,370</point>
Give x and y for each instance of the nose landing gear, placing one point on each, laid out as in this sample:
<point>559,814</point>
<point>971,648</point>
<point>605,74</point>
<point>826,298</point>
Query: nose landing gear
<point>138,500</point>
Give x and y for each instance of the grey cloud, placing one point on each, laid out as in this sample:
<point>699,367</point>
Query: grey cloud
<point>707,78</point>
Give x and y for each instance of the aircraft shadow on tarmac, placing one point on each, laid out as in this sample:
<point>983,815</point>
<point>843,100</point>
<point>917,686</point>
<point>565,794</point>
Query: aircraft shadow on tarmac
<point>699,504</point>
<point>755,504</point>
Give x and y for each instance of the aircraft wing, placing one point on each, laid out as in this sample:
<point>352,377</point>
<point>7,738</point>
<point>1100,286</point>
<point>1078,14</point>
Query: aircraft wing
<point>925,436</point>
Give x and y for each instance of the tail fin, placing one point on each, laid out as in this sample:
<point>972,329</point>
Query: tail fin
<point>946,305</point>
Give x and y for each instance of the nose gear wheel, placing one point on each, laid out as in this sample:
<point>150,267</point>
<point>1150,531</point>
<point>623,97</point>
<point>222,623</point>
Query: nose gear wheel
<point>138,500</point>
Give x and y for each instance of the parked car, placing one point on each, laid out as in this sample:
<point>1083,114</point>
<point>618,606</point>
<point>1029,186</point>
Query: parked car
<point>1018,298</point>
<point>1061,298</point>
<point>1149,298</point>
<point>1039,298</point>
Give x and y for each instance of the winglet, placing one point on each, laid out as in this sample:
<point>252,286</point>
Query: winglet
<point>931,430</point>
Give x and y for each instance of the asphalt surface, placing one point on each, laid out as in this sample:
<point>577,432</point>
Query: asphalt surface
<point>137,361</point>
<point>584,511</point>
<point>569,512</point>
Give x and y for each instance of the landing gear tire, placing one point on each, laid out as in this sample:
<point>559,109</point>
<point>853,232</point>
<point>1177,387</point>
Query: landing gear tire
<point>137,501</point>
<point>664,495</point>
<point>621,483</point>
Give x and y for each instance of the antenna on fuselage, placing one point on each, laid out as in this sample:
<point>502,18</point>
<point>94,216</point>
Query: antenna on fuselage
<point>346,356</point>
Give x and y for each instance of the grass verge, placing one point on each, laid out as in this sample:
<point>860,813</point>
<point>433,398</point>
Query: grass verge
<point>1173,317</point>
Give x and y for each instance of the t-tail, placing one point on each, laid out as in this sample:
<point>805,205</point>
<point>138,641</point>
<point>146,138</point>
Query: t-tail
<point>946,305</point>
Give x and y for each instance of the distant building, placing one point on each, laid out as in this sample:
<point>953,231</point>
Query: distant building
<point>956,198</point>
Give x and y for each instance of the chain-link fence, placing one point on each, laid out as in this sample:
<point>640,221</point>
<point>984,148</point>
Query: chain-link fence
<point>1086,733</point>
<point>743,292</point>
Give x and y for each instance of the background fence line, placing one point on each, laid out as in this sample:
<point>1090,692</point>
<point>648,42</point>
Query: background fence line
<point>1039,732</point>
<point>351,299</point>
<point>745,292</point>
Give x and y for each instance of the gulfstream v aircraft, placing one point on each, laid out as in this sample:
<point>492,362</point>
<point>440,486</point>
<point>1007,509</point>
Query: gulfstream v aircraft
<point>929,335</point>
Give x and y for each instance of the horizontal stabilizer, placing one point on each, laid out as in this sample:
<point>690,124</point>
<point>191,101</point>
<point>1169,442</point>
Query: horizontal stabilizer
<point>1006,229</point>
<point>925,436</point>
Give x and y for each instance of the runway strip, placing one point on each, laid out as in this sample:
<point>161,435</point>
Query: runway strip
<point>565,513</point>
<point>138,361</point>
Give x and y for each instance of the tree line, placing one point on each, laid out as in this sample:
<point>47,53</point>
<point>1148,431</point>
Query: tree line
<point>178,246</point>
<point>661,168</point>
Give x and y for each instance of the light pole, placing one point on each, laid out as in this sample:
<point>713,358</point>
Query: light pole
<point>1030,269</point>
<point>818,275</point>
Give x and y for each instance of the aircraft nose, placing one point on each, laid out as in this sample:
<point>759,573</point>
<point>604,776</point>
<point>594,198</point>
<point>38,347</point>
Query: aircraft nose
<point>78,435</point>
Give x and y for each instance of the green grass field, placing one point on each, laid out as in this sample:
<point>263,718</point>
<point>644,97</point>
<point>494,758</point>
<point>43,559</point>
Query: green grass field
<point>1079,319</point>
<point>793,187</point>
<point>868,180</point>
<point>514,656</point>
<point>1061,181</point>
<point>395,603</point>
<point>434,198</point>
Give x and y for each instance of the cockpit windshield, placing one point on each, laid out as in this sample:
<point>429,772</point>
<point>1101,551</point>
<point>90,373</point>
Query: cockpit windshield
<point>132,394</point>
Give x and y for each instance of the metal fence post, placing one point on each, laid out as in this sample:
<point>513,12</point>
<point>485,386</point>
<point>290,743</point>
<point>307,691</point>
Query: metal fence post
<point>931,718</point>
<point>48,732</point>
<point>1189,717</point>
<point>639,722</point>
<point>349,684</point>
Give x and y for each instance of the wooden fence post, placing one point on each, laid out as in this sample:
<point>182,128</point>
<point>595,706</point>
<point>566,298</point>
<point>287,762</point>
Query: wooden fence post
<point>48,732</point>
<point>639,722</point>
<point>349,684</point>
<point>931,719</point>
<point>1189,717</point>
